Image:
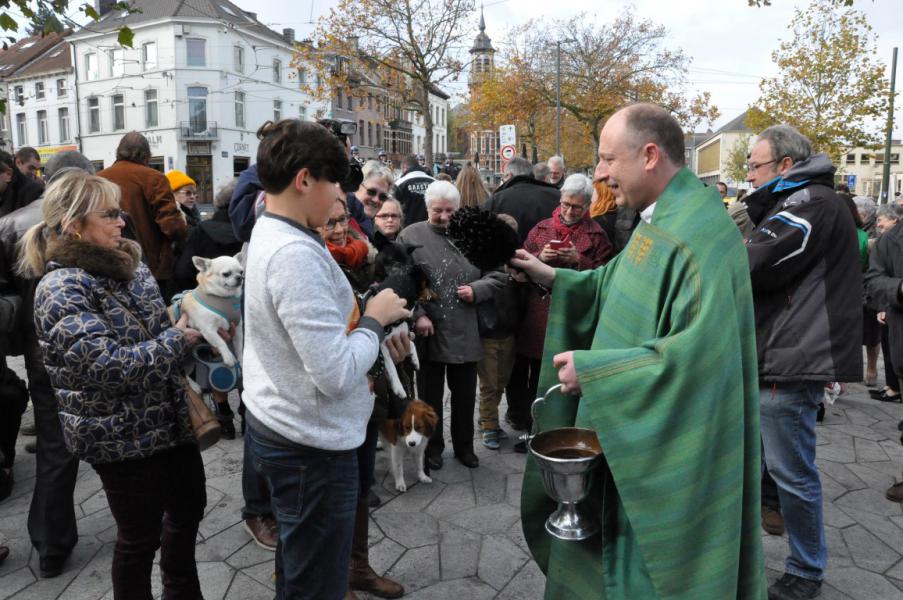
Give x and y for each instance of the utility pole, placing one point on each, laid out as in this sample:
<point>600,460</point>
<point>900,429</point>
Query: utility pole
<point>885,177</point>
<point>558,93</point>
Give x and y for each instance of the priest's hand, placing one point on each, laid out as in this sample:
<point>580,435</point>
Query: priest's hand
<point>532,267</point>
<point>567,374</point>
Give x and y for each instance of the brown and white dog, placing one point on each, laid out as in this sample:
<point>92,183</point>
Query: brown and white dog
<point>411,432</point>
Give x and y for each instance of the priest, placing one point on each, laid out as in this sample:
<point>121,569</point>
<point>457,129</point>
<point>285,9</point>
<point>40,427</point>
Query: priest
<point>656,352</point>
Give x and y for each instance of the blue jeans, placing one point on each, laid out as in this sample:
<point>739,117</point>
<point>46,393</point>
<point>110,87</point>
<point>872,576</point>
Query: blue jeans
<point>314,497</point>
<point>788,439</point>
<point>253,487</point>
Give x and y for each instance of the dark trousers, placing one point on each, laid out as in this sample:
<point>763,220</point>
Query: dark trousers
<point>13,402</point>
<point>51,518</point>
<point>157,502</point>
<point>890,377</point>
<point>314,495</point>
<point>521,390</point>
<point>253,487</point>
<point>769,490</point>
<point>462,381</point>
<point>366,459</point>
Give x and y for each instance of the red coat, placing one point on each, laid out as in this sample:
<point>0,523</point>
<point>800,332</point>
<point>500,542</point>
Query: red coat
<point>593,248</point>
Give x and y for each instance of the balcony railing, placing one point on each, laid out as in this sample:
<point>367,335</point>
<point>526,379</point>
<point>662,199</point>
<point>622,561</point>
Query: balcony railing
<point>198,130</point>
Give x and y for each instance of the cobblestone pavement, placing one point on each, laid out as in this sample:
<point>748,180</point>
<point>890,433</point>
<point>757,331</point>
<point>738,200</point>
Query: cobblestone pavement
<point>460,538</point>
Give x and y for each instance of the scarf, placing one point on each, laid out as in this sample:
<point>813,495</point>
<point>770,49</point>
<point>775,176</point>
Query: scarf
<point>604,202</point>
<point>351,255</point>
<point>564,232</point>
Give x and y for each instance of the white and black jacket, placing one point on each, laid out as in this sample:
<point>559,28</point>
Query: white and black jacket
<point>409,191</point>
<point>806,278</point>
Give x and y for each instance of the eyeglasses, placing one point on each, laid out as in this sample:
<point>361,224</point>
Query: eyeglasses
<point>389,216</point>
<point>111,214</point>
<point>331,223</point>
<point>375,192</point>
<point>756,167</point>
<point>573,207</point>
<point>187,192</point>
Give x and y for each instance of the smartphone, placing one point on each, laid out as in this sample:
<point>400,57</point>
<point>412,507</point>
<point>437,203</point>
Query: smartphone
<point>559,244</point>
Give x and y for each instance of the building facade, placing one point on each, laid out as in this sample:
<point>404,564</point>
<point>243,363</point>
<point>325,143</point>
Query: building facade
<point>713,153</point>
<point>866,166</point>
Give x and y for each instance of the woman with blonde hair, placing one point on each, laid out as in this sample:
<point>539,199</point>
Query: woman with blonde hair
<point>114,361</point>
<point>469,184</point>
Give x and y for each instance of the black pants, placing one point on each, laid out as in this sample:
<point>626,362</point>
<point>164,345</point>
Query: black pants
<point>462,381</point>
<point>770,491</point>
<point>13,401</point>
<point>521,390</point>
<point>51,518</point>
<point>890,377</point>
<point>158,502</point>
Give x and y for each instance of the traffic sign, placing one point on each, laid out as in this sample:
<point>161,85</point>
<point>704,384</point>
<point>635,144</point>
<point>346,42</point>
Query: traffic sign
<point>851,183</point>
<point>507,152</point>
<point>507,135</point>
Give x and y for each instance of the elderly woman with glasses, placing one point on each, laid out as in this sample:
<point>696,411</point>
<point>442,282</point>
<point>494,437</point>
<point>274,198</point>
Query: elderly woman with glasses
<point>389,218</point>
<point>346,246</point>
<point>364,204</point>
<point>569,239</point>
<point>185,191</point>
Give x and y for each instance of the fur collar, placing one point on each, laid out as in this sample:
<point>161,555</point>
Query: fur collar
<point>119,264</point>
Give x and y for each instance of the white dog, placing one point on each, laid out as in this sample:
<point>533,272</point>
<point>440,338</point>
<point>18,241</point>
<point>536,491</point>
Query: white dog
<point>410,433</point>
<point>389,364</point>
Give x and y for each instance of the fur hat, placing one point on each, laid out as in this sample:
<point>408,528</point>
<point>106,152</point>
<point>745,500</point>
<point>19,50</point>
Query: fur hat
<point>178,179</point>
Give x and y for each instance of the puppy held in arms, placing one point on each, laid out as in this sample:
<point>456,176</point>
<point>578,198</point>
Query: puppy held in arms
<point>409,433</point>
<point>215,304</point>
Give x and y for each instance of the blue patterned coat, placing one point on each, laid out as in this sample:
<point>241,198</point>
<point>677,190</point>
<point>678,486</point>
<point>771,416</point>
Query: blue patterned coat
<point>117,388</point>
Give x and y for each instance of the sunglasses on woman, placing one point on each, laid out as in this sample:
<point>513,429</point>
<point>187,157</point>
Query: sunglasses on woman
<point>331,223</point>
<point>111,214</point>
<point>375,192</point>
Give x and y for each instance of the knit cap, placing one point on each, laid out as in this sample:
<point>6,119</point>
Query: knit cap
<point>178,179</point>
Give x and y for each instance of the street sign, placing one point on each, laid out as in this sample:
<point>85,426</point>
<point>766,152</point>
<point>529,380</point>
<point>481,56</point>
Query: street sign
<point>507,152</point>
<point>851,183</point>
<point>507,135</point>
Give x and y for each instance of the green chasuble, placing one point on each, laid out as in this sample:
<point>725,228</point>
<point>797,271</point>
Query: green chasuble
<point>665,352</point>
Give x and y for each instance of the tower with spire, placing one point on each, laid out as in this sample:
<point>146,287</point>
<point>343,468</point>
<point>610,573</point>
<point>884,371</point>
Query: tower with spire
<point>484,143</point>
<point>482,56</point>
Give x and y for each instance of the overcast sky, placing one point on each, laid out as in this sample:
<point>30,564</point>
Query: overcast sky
<point>730,43</point>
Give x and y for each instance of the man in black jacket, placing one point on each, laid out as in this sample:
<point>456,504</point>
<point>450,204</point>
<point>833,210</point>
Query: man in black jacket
<point>527,200</point>
<point>16,190</point>
<point>807,291</point>
<point>409,190</point>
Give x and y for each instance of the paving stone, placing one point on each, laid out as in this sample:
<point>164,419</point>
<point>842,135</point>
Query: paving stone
<point>248,554</point>
<point>459,552</point>
<point>513,491</point>
<point>859,431</point>
<point>489,485</point>
<point>262,574</point>
<point>93,581</point>
<point>831,490</point>
<point>246,588</point>
<point>222,515</point>
<point>417,568</point>
<point>452,470</point>
<point>838,554</point>
<point>869,451</point>
<point>408,529</point>
<point>95,502</point>
<point>14,581</point>
<point>455,498</point>
<point>874,474</point>
<point>860,417</point>
<point>867,551</point>
<point>776,550</point>
<point>869,500</point>
<point>528,584</point>
<point>500,560</point>
<point>860,584</point>
<point>884,528</point>
<point>494,518</point>
<point>835,517</point>
<point>841,473</point>
<point>224,545</point>
<point>416,498</point>
<point>457,588</point>
<point>215,579</point>
<point>384,554</point>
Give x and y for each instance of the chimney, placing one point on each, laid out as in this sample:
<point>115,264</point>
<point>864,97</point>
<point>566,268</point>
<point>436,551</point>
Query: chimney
<point>103,6</point>
<point>289,36</point>
<point>253,15</point>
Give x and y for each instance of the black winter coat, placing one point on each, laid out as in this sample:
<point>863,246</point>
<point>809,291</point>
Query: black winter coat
<point>806,278</point>
<point>211,238</point>
<point>883,280</point>
<point>20,192</point>
<point>409,191</point>
<point>527,200</point>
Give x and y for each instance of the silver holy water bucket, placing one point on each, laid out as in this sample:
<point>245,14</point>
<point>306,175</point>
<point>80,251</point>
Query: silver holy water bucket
<point>568,458</point>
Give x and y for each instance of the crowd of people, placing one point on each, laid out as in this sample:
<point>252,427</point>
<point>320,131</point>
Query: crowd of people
<point>661,308</point>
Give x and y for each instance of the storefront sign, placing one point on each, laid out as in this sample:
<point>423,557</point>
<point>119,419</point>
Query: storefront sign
<point>46,152</point>
<point>240,147</point>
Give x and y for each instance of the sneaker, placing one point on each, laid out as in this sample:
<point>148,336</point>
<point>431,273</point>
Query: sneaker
<point>264,531</point>
<point>491,439</point>
<point>772,521</point>
<point>791,587</point>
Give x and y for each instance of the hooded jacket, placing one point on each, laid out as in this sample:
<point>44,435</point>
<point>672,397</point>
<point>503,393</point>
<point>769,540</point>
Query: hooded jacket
<point>883,281</point>
<point>806,277</point>
<point>113,357</point>
<point>409,191</point>
<point>526,199</point>
<point>20,191</point>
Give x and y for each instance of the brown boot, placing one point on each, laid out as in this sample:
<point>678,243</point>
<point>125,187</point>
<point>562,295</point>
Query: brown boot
<point>895,492</point>
<point>361,574</point>
<point>772,521</point>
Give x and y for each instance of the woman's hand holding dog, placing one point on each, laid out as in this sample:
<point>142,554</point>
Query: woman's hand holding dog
<point>387,308</point>
<point>399,346</point>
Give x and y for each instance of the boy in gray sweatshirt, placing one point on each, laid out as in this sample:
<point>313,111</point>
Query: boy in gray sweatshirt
<point>306,355</point>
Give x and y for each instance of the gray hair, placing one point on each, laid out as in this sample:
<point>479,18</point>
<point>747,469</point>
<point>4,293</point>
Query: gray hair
<point>374,168</point>
<point>67,160</point>
<point>224,195</point>
<point>540,171</point>
<point>519,166</point>
<point>443,190</point>
<point>579,186</point>
<point>866,207</point>
<point>785,140</point>
<point>556,159</point>
<point>890,211</point>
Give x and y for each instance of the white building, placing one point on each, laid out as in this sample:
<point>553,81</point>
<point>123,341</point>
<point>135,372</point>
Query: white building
<point>866,167</point>
<point>439,112</point>
<point>201,78</point>
<point>713,153</point>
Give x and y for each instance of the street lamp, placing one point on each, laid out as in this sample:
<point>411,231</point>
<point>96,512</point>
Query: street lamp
<point>558,92</point>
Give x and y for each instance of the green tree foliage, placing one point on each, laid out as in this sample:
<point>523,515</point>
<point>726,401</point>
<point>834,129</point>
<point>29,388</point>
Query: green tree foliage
<point>737,159</point>
<point>830,84</point>
<point>40,17</point>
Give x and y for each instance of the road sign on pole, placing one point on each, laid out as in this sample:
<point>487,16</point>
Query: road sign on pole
<point>507,135</point>
<point>507,152</point>
<point>851,183</point>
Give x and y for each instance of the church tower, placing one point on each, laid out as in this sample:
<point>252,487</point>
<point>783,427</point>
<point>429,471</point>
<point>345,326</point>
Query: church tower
<point>482,56</point>
<point>484,143</point>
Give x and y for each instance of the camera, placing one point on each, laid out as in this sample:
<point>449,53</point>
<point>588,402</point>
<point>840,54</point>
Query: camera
<point>342,129</point>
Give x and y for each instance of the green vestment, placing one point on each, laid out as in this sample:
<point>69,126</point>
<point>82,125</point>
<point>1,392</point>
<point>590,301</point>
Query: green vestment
<point>665,352</point>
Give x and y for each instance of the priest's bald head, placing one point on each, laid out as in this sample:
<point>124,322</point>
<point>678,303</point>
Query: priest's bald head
<point>641,148</point>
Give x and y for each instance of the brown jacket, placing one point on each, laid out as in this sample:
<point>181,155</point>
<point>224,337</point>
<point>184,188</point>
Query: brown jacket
<point>156,217</point>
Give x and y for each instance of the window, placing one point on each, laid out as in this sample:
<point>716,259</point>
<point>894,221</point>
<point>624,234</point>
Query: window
<point>277,70</point>
<point>360,132</point>
<point>20,129</point>
<point>39,90</point>
<point>302,112</point>
<point>895,159</point>
<point>150,108</point>
<point>118,64</point>
<point>197,109</point>
<point>879,158</point>
<point>379,136</point>
<point>277,110</point>
<point>118,112</point>
<point>196,52</point>
<point>851,159</point>
<point>443,117</point>
<point>90,66</point>
<point>42,127</point>
<point>93,115</point>
<point>349,103</point>
<point>20,95</point>
<point>369,101</point>
<point>149,55</point>
<point>339,94</point>
<point>64,124</point>
<point>370,134</point>
<point>61,90</point>
<point>239,109</point>
<point>238,54</point>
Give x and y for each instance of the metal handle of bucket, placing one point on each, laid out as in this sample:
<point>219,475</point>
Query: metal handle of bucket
<point>541,399</point>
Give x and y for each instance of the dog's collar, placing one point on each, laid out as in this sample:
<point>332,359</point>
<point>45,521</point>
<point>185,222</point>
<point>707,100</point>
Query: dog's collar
<point>229,308</point>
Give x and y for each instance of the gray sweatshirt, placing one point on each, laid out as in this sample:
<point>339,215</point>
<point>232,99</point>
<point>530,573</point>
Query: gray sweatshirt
<point>305,376</point>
